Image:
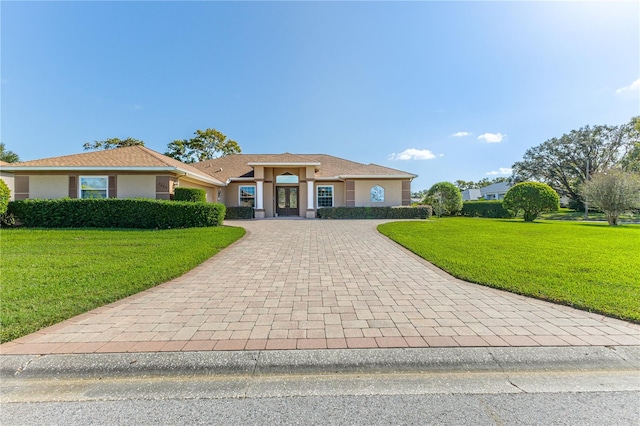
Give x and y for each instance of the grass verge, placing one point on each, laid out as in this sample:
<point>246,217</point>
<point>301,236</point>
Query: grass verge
<point>590,266</point>
<point>47,276</point>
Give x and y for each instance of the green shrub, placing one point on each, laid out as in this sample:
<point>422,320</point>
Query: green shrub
<point>489,208</point>
<point>239,213</point>
<point>5,196</point>
<point>116,213</point>
<point>420,212</point>
<point>196,195</point>
<point>532,198</point>
<point>6,218</point>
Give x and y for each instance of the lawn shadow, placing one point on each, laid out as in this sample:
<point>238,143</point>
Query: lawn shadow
<point>520,221</point>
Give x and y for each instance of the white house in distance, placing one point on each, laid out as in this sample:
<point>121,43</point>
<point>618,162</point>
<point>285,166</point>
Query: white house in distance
<point>495,191</point>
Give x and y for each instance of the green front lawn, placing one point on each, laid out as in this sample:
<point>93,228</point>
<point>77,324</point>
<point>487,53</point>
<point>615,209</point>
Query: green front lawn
<point>590,266</point>
<point>47,276</point>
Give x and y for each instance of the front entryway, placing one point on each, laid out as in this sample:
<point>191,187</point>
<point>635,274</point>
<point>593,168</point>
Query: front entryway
<point>287,201</point>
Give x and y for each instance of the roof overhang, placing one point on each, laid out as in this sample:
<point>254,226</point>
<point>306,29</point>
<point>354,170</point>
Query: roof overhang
<point>241,179</point>
<point>285,164</point>
<point>377,176</point>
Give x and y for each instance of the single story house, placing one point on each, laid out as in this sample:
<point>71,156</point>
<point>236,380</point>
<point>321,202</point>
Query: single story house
<point>131,172</point>
<point>495,191</point>
<point>273,184</point>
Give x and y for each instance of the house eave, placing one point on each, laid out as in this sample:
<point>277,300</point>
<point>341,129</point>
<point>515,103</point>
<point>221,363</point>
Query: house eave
<point>285,164</point>
<point>378,176</point>
<point>241,179</point>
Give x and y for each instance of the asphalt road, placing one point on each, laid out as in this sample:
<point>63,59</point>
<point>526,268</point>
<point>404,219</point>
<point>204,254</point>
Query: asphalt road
<point>569,408</point>
<point>474,386</point>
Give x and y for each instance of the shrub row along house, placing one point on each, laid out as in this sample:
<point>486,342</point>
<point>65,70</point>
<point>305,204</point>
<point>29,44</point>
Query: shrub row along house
<point>273,184</point>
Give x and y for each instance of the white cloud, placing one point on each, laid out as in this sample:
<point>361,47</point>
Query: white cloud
<point>461,134</point>
<point>630,88</point>
<point>413,154</point>
<point>135,107</point>
<point>492,137</point>
<point>501,171</point>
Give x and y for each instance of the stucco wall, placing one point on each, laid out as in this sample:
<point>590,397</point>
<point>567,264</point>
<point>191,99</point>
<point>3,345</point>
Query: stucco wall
<point>339,193</point>
<point>232,195</point>
<point>48,186</point>
<point>210,191</point>
<point>392,192</point>
<point>136,186</point>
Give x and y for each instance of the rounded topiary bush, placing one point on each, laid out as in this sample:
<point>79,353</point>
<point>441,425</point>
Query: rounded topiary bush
<point>532,198</point>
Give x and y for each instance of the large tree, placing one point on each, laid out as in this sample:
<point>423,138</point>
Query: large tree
<point>206,145</point>
<point>8,156</point>
<point>563,162</point>
<point>112,143</point>
<point>614,192</point>
<point>631,161</point>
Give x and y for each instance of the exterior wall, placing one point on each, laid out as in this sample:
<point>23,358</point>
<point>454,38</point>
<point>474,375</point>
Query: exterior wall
<point>132,185</point>
<point>339,193</point>
<point>232,193</point>
<point>48,186</point>
<point>136,186</point>
<point>212,192</point>
<point>8,179</point>
<point>392,192</point>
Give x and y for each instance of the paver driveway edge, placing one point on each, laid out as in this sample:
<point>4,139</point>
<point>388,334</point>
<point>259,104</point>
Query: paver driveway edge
<point>321,284</point>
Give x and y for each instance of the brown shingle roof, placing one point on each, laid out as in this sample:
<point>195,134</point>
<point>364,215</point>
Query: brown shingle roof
<point>122,158</point>
<point>237,165</point>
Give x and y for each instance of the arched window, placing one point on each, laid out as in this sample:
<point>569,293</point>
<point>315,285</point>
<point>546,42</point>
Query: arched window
<point>377,194</point>
<point>287,178</point>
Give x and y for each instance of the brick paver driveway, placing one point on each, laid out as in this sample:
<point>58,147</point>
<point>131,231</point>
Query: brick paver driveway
<point>303,284</point>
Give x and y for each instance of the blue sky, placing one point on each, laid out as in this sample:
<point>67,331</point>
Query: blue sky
<point>445,90</point>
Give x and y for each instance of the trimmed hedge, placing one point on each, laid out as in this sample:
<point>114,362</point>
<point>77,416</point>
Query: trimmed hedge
<point>239,213</point>
<point>195,195</point>
<point>489,208</point>
<point>116,213</point>
<point>421,212</point>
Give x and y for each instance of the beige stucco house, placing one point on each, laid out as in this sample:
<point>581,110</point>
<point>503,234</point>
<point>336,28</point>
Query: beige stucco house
<point>131,172</point>
<point>273,184</point>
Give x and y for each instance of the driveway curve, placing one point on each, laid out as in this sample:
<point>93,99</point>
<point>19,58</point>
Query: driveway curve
<point>317,284</point>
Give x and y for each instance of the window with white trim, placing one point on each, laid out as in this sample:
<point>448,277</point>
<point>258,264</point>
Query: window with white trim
<point>377,194</point>
<point>94,187</point>
<point>324,196</point>
<point>247,196</point>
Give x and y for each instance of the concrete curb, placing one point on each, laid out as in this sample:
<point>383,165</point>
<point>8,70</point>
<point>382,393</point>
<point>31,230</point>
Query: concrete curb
<point>319,362</point>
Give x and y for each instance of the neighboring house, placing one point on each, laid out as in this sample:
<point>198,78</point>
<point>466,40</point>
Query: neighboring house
<point>495,191</point>
<point>471,194</point>
<point>273,184</point>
